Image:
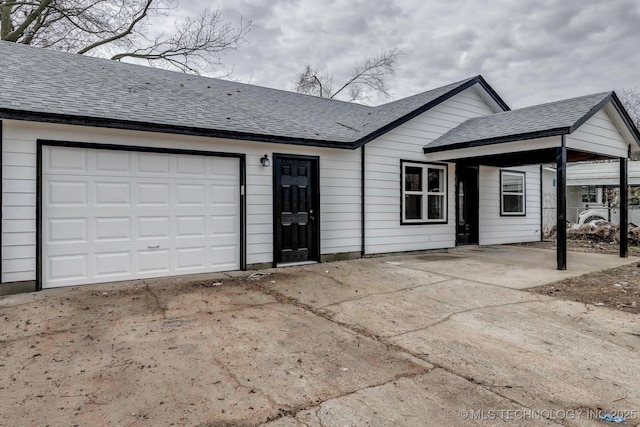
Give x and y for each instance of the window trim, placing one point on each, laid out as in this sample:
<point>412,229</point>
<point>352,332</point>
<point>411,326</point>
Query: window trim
<point>424,165</point>
<point>524,192</point>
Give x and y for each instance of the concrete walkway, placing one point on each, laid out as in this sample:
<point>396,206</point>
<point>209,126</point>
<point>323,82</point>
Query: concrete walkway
<point>432,339</point>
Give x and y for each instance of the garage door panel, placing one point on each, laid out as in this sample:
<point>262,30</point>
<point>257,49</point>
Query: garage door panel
<point>190,226</point>
<point>113,264</point>
<point>223,225</point>
<point>191,258</point>
<point>111,215</point>
<point>67,193</point>
<point>224,195</point>
<point>63,267</point>
<point>112,229</point>
<point>153,163</point>
<point>191,166</point>
<point>66,230</point>
<point>223,257</point>
<point>154,261</point>
<point>153,194</point>
<point>65,160</point>
<point>190,195</point>
<point>153,227</point>
<point>223,169</point>
<point>112,194</point>
<point>112,161</point>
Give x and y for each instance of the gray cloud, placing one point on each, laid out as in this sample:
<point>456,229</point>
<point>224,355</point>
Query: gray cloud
<point>531,51</point>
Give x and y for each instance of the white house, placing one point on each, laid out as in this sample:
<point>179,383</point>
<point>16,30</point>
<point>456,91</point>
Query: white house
<point>112,171</point>
<point>588,187</point>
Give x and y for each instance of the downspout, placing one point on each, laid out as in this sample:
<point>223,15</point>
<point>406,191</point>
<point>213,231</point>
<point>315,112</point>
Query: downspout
<point>362,204</point>
<point>561,204</point>
<point>541,203</point>
<point>1,194</point>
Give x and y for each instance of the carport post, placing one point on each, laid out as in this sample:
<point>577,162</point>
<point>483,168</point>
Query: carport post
<point>624,209</point>
<point>561,203</point>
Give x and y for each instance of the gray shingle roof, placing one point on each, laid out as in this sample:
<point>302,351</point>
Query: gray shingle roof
<point>36,82</point>
<point>554,117</point>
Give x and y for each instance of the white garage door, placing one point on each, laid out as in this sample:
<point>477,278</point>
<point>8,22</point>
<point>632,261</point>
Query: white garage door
<point>111,215</point>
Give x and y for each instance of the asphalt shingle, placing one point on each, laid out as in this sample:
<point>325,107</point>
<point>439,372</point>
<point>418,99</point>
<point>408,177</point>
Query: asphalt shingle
<point>538,118</point>
<point>44,81</point>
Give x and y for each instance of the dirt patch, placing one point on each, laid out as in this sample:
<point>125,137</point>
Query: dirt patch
<point>617,288</point>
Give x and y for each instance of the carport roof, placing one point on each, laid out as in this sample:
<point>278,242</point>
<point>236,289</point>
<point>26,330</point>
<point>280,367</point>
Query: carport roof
<point>46,85</point>
<point>538,121</point>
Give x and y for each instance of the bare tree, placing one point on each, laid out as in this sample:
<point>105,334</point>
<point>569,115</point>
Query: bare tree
<point>122,29</point>
<point>370,76</point>
<point>631,100</point>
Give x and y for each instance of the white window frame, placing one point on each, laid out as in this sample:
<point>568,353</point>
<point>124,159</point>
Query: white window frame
<point>523,193</point>
<point>404,164</point>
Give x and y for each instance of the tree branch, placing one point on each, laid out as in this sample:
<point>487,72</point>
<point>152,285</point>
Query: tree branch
<point>121,35</point>
<point>18,32</point>
<point>369,76</point>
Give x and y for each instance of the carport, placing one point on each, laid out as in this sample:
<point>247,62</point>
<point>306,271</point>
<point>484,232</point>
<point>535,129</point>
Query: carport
<point>593,127</point>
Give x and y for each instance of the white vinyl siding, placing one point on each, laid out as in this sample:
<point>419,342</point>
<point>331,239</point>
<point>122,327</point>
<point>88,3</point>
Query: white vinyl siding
<point>598,135</point>
<point>339,188</point>
<point>601,173</point>
<point>383,232</point>
<point>496,229</point>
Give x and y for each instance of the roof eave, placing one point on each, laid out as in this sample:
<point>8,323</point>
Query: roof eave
<point>466,85</point>
<point>486,86</point>
<point>599,106</point>
<point>164,128</point>
<point>498,140</point>
<point>625,116</point>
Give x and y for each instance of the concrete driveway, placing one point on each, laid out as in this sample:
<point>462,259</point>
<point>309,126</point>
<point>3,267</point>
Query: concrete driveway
<point>432,339</point>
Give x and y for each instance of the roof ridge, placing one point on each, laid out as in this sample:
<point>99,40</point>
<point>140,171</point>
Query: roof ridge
<point>546,104</point>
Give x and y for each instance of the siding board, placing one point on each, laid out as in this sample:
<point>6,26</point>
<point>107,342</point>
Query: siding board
<point>496,229</point>
<point>598,135</point>
<point>339,188</point>
<point>383,230</point>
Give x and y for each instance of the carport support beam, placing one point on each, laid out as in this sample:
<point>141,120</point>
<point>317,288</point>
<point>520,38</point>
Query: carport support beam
<point>624,208</point>
<point>561,203</point>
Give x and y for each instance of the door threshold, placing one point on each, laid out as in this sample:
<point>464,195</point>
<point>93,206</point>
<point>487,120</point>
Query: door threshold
<point>294,264</point>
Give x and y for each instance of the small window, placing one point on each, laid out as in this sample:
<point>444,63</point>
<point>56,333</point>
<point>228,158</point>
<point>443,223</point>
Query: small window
<point>424,189</point>
<point>512,193</point>
<point>589,194</point>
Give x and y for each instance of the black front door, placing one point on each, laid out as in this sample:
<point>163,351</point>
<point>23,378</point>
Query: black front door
<point>296,209</point>
<point>467,205</point>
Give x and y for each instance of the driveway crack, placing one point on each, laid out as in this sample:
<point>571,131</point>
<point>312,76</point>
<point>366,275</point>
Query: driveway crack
<point>156,299</point>
<point>284,299</point>
<point>469,310</point>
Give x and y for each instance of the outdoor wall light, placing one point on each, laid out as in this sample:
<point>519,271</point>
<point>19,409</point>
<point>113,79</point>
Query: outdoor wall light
<point>265,161</point>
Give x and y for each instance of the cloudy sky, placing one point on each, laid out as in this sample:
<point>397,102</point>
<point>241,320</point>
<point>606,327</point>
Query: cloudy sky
<point>530,51</point>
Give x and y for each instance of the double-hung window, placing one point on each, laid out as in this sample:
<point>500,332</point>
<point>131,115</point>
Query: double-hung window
<point>424,189</point>
<point>512,193</point>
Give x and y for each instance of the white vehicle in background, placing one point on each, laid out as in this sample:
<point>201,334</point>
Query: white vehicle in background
<point>596,214</point>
